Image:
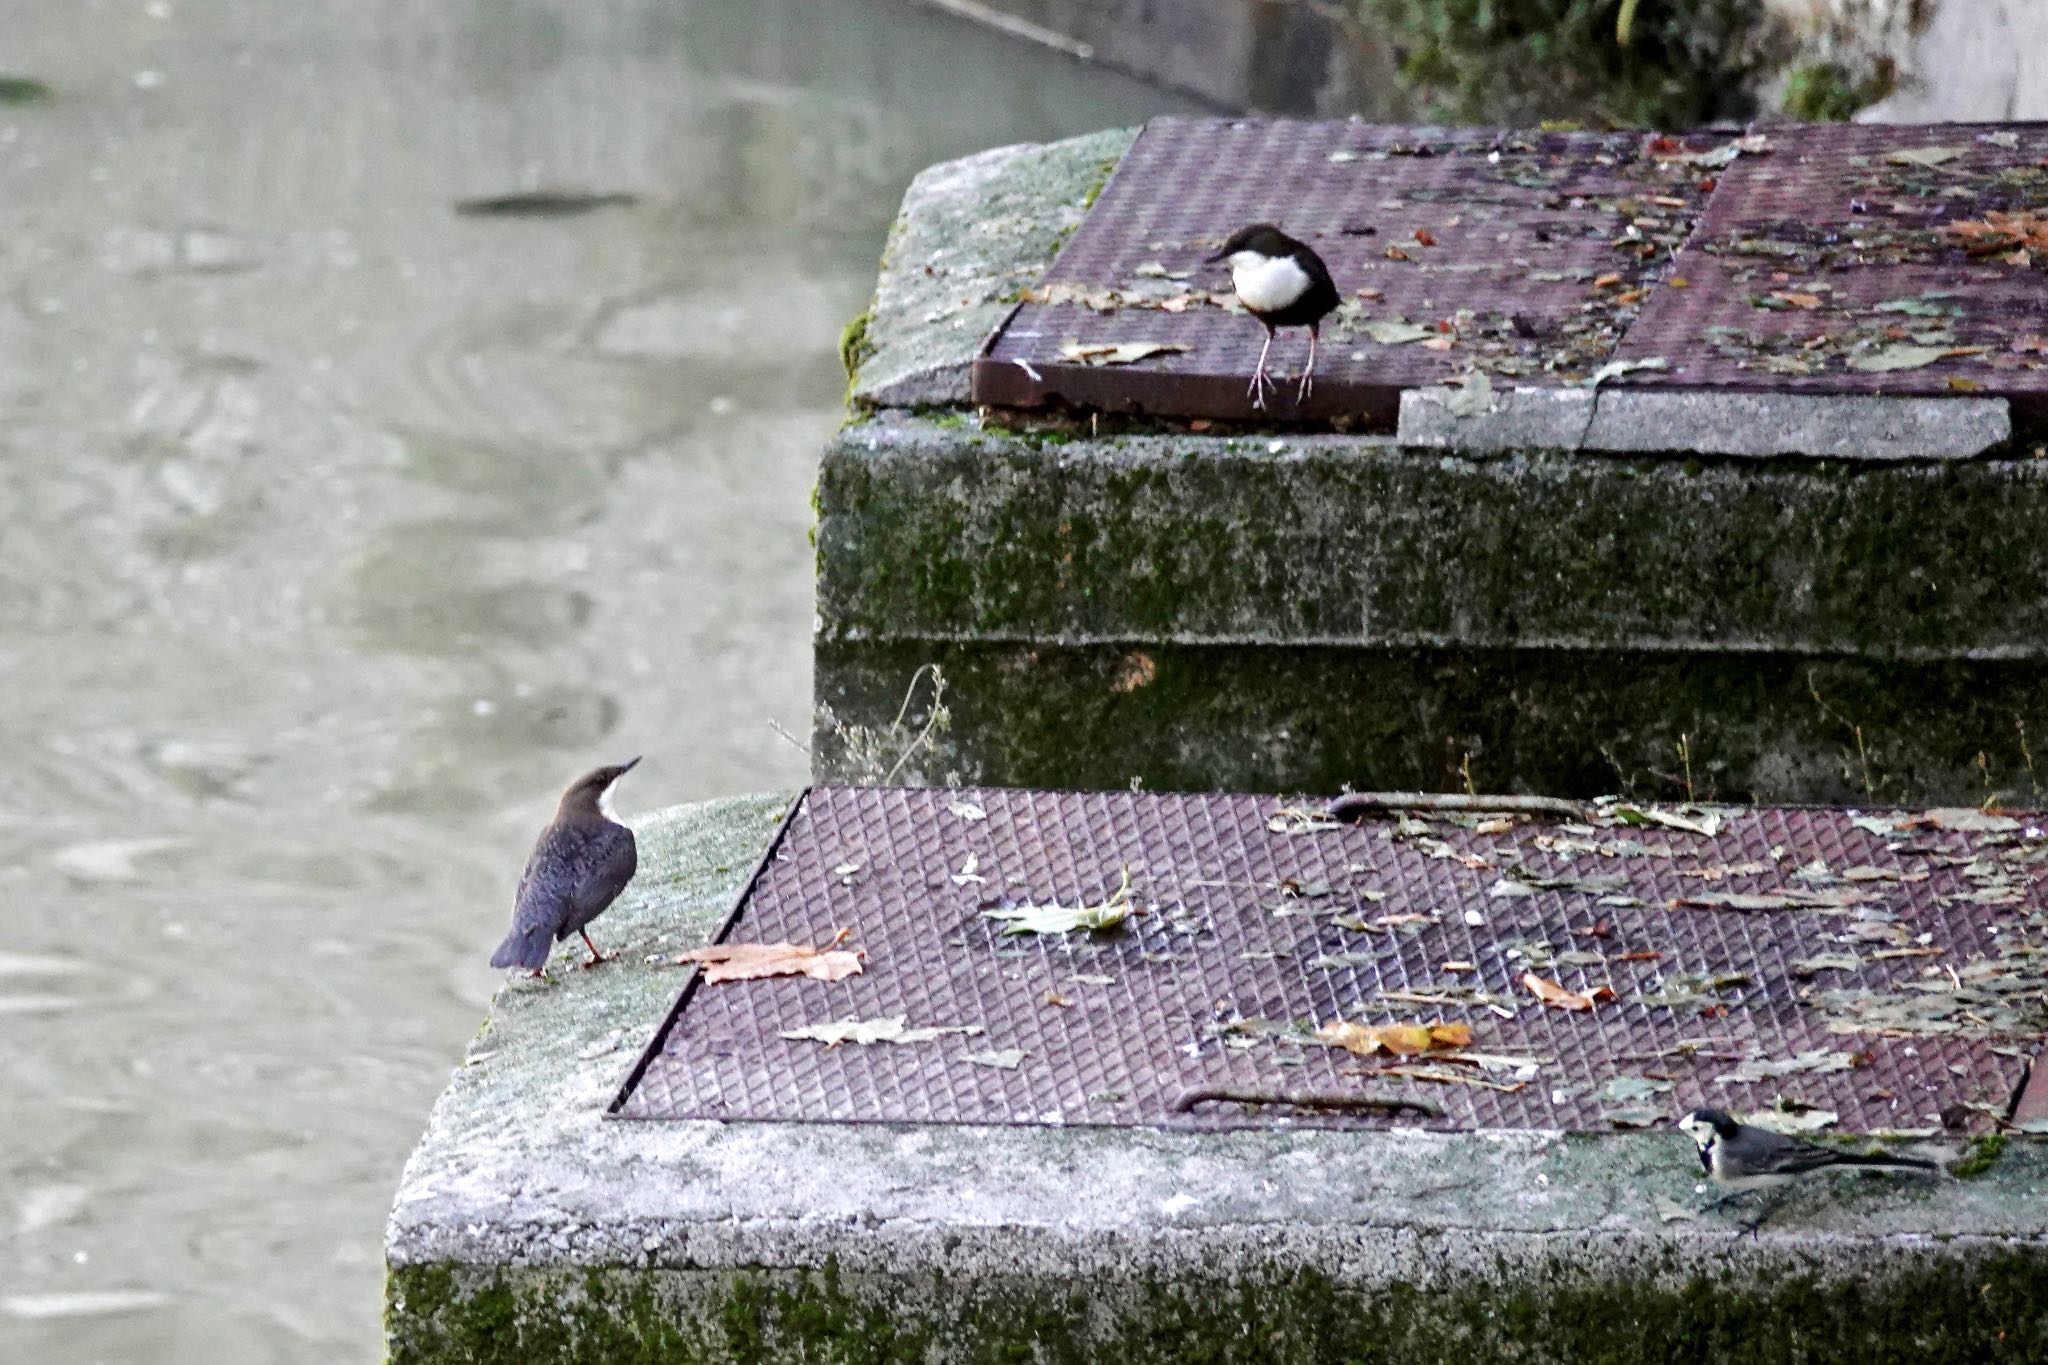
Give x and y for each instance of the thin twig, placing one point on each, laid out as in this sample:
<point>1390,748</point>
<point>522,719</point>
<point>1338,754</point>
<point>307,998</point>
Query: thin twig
<point>802,747</point>
<point>1358,805</point>
<point>1185,1102</point>
<point>931,720</point>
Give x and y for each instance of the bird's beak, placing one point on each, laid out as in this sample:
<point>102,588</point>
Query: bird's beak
<point>627,766</point>
<point>1219,256</point>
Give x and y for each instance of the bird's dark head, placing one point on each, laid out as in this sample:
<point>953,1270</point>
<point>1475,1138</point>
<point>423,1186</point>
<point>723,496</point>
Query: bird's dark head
<point>592,791</point>
<point>1705,1126</point>
<point>1259,239</point>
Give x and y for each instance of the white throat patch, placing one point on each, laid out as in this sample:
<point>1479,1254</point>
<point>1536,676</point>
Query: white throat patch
<point>1266,284</point>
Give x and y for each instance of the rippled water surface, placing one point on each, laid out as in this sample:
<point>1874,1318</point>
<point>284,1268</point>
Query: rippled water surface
<point>340,529</point>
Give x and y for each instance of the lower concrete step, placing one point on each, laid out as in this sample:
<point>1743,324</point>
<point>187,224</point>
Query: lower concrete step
<point>540,1220</point>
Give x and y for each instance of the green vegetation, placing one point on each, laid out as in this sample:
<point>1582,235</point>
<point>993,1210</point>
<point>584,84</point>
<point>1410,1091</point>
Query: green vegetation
<point>1821,92</point>
<point>1628,63</point>
<point>854,346</point>
<point>1102,173</point>
<point>1984,1152</point>
<point>1922,1311</point>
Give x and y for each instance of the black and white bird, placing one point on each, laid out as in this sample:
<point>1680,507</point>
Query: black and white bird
<point>1741,1159</point>
<point>1282,283</point>
<point>580,863</point>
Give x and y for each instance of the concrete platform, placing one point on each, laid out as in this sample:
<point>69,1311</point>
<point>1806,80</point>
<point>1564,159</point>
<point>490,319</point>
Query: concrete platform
<point>1820,598</point>
<point>529,1228</point>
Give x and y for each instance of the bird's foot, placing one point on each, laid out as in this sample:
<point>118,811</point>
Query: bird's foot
<point>537,974</point>
<point>1306,387</point>
<point>1262,384</point>
<point>597,960</point>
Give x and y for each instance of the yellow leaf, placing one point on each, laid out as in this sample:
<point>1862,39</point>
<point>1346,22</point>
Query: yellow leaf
<point>1403,1040</point>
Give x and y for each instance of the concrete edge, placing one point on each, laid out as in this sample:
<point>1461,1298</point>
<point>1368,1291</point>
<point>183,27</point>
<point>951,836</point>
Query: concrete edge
<point>970,235</point>
<point>520,1167</point>
<point>1706,422</point>
<point>528,1227</point>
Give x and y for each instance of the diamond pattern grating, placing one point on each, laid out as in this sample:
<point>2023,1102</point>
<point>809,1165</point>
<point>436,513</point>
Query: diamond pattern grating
<point>1530,251</point>
<point>1831,254</point>
<point>1540,257</point>
<point>1246,928</point>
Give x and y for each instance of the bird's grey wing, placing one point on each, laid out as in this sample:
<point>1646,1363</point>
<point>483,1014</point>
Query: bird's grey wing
<point>608,863</point>
<point>543,898</point>
<point>1762,1152</point>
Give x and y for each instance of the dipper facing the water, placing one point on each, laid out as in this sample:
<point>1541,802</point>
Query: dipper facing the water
<point>1282,283</point>
<point>580,863</point>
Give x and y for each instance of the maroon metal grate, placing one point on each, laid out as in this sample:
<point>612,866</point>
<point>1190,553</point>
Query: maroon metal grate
<point>1832,253</point>
<point>1547,256</point>
<point>1526,253</point>
<point>1247,930</point>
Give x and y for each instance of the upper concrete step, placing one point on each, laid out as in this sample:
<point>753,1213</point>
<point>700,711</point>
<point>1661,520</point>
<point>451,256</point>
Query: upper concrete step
<point>1793,597</point>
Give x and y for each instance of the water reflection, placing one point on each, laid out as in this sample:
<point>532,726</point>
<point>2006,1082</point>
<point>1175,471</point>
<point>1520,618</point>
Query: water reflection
<point>342,527</point>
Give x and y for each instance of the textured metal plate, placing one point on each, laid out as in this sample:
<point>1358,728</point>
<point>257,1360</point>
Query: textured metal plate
<point>1245,928</point>
<point>1526,253</point>
<point>1832,250</point>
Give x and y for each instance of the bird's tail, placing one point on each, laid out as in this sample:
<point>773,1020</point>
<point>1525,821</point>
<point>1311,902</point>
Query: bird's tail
<point>526,948</point>
<point>1882,1159</point>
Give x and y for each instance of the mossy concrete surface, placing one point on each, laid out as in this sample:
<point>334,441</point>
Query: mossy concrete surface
<point>972,234</point>
<point>528,1228</point>
<point>1303,612</point>
<point>1763,597</point>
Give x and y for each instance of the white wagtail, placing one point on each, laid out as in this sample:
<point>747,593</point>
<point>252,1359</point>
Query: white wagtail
<point>1282,283</point>
<point>1742,1159</point>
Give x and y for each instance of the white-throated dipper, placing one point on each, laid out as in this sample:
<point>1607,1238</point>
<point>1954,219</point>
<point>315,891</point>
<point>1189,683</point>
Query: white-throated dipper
<point>580,863</point>
<point>1282,283</point>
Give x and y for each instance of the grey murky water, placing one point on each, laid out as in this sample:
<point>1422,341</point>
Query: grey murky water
<point>337,530</point>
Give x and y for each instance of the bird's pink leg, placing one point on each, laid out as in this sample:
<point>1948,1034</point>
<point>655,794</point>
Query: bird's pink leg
<point>1260,381</point>
<point>1308,376</point>
<point>595,956</point>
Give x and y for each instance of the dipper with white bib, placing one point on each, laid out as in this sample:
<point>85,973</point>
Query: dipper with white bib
<point>580,863</point>
<point>1282,283</point>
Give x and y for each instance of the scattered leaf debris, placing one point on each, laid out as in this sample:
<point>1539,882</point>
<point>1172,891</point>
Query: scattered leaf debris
<point>1118,352</point>
<point>752,961</point>
<point>1062,919</point>
<point>889,1029</point>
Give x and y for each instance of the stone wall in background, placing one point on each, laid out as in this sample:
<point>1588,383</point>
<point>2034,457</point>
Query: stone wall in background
<point>1666,63</point>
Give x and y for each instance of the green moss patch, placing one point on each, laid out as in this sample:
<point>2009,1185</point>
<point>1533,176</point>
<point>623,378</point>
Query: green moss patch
<point>1924,1310</point>
<point>1984,1152</point>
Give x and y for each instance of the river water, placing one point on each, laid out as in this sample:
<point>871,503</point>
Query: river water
<point>338,529</point>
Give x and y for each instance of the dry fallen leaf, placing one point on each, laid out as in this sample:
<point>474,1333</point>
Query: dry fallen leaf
<point>1404,1040</point>
<point>1550,993</point>
<point>1396,332</point>
<point>1924,156</point>
<point>888,1029</point>
<point>1062,919</point>
<point>751,961</point>
<point>1117,352</point>
<point>1441,1077</point>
